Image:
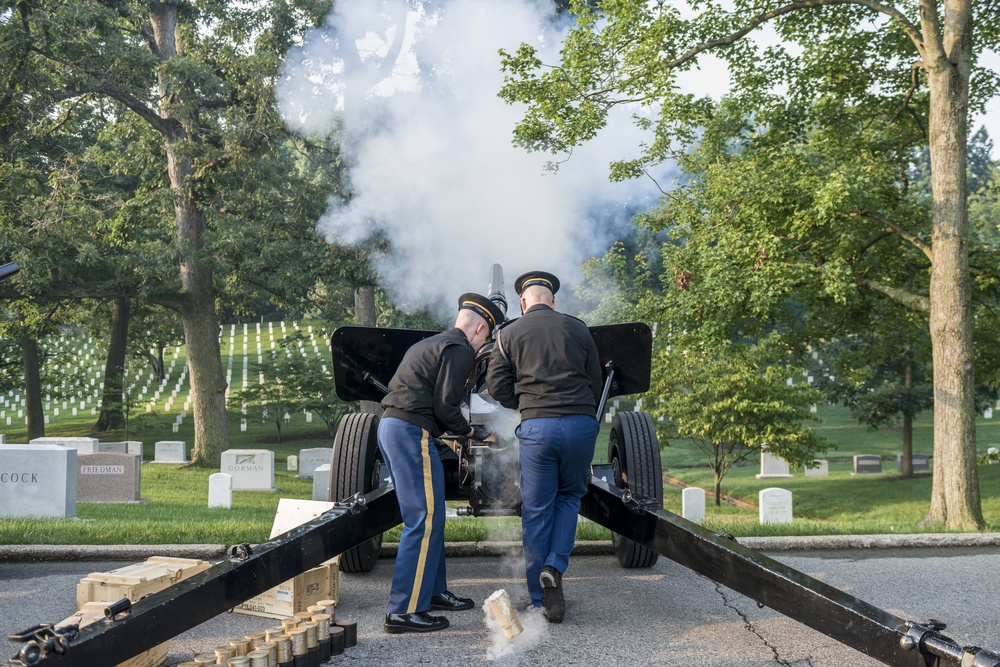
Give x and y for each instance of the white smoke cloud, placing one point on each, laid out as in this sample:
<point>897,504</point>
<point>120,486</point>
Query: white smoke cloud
<point>432,164</point>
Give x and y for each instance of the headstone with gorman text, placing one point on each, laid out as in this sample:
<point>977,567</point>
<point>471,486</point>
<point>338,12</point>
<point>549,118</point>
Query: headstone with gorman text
<point>251,469</point>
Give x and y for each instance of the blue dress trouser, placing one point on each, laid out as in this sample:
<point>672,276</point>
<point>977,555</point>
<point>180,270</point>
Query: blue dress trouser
<point>418,476</point>
<point>555,455</point>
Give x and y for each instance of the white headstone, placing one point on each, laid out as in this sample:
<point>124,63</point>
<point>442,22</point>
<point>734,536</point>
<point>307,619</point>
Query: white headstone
<point>170,451</point>
<point>81,445</point>
<point>38,481</point>
<point>3,439</point>
<point>822,470</point>
<point>693,504</point>
<point>251,469</point>
<point>321,483</point>
<point>310,459</point>
<point>293,463</point>
<point>220,490</point>
<point>988,413</point>
<point>775,505</point>
<point>772,466</point>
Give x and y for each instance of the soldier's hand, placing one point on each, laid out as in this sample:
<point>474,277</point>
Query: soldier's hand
<point>478,432</point>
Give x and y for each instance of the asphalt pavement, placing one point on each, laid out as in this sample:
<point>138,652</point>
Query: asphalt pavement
<point>663,615</point>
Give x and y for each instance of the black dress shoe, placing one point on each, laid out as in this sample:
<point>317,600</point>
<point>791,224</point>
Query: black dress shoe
<point>448,601</point>
<point>420,621</point>
<point>553,603</point>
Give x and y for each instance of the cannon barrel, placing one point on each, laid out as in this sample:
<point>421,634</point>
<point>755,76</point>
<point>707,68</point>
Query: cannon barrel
<point>7,270</point>
<point>495,292</point>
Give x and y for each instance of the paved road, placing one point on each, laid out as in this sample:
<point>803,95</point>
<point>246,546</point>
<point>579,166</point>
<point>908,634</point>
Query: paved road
<point>665,615</point>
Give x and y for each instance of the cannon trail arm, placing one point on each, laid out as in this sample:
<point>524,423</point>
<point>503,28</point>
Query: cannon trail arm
<point>176,609</point>
<point>853,622</point>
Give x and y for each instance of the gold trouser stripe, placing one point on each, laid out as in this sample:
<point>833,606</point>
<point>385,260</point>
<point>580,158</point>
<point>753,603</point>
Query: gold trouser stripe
<point>418,576</point>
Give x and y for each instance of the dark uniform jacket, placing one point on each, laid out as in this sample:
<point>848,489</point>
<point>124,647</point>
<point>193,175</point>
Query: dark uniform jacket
<point>545,364</point>
<point>428,387</point>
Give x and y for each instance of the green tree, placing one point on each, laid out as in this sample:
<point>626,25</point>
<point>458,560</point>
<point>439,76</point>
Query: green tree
<point>904,70</point>
<point>184,94</point>
<point>881,375</point>
<point>733,400</point>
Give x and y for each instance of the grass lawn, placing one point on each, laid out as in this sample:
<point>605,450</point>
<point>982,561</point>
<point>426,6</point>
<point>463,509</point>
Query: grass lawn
<point>177,512</point>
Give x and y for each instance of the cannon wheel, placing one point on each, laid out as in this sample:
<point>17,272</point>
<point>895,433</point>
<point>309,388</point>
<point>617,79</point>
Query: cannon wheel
<point>634,454</point>
<point>356,466</point>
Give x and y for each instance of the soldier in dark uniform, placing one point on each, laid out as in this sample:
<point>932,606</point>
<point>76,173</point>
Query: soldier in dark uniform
<point>423,402</point>
<point>546,365</point>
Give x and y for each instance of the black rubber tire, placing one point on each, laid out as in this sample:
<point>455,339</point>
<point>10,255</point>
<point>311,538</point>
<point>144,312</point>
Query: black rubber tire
<point>634,454</point>
<point>356,466</point>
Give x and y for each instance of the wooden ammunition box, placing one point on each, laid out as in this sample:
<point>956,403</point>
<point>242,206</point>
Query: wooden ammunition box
<point>98,589</point>
<point>308,588</point>
<point>136,581</point>
<point>319,583</point>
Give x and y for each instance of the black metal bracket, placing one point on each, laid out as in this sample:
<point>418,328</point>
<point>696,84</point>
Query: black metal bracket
<point>42,640</point>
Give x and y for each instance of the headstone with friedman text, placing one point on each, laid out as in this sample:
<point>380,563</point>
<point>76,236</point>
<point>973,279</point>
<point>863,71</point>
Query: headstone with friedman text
<point>108,478</point>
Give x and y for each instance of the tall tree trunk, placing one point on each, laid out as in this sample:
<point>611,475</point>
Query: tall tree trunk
<point>364,306</point>
<point>366,316</point>
<point>197,309</point>
<point>112,408</point>
<point>907,467</point>
<point>955,498</point>
<point>156,362</point>
<point>32,388</point>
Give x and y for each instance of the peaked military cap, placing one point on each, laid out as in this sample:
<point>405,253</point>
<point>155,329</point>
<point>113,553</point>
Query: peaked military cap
<point>542,278</point>
<point>483,307</point>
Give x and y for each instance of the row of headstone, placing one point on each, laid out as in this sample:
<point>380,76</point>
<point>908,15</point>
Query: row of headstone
<point>774,505</point>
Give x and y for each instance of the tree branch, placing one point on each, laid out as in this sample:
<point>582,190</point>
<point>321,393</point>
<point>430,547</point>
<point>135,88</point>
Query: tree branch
<point>912,239</point>
<point>910,29</point>
<point>165,126</point>
<point>910,300</point>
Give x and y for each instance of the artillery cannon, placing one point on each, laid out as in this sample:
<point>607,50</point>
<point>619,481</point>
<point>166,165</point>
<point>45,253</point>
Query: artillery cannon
<point>624,495</point>
<point>484,473</point>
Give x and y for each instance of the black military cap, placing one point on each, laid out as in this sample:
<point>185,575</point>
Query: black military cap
<point>542,278</point>
<point>483,307</point>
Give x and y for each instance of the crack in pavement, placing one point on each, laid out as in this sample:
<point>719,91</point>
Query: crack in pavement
<point>748,624</point>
